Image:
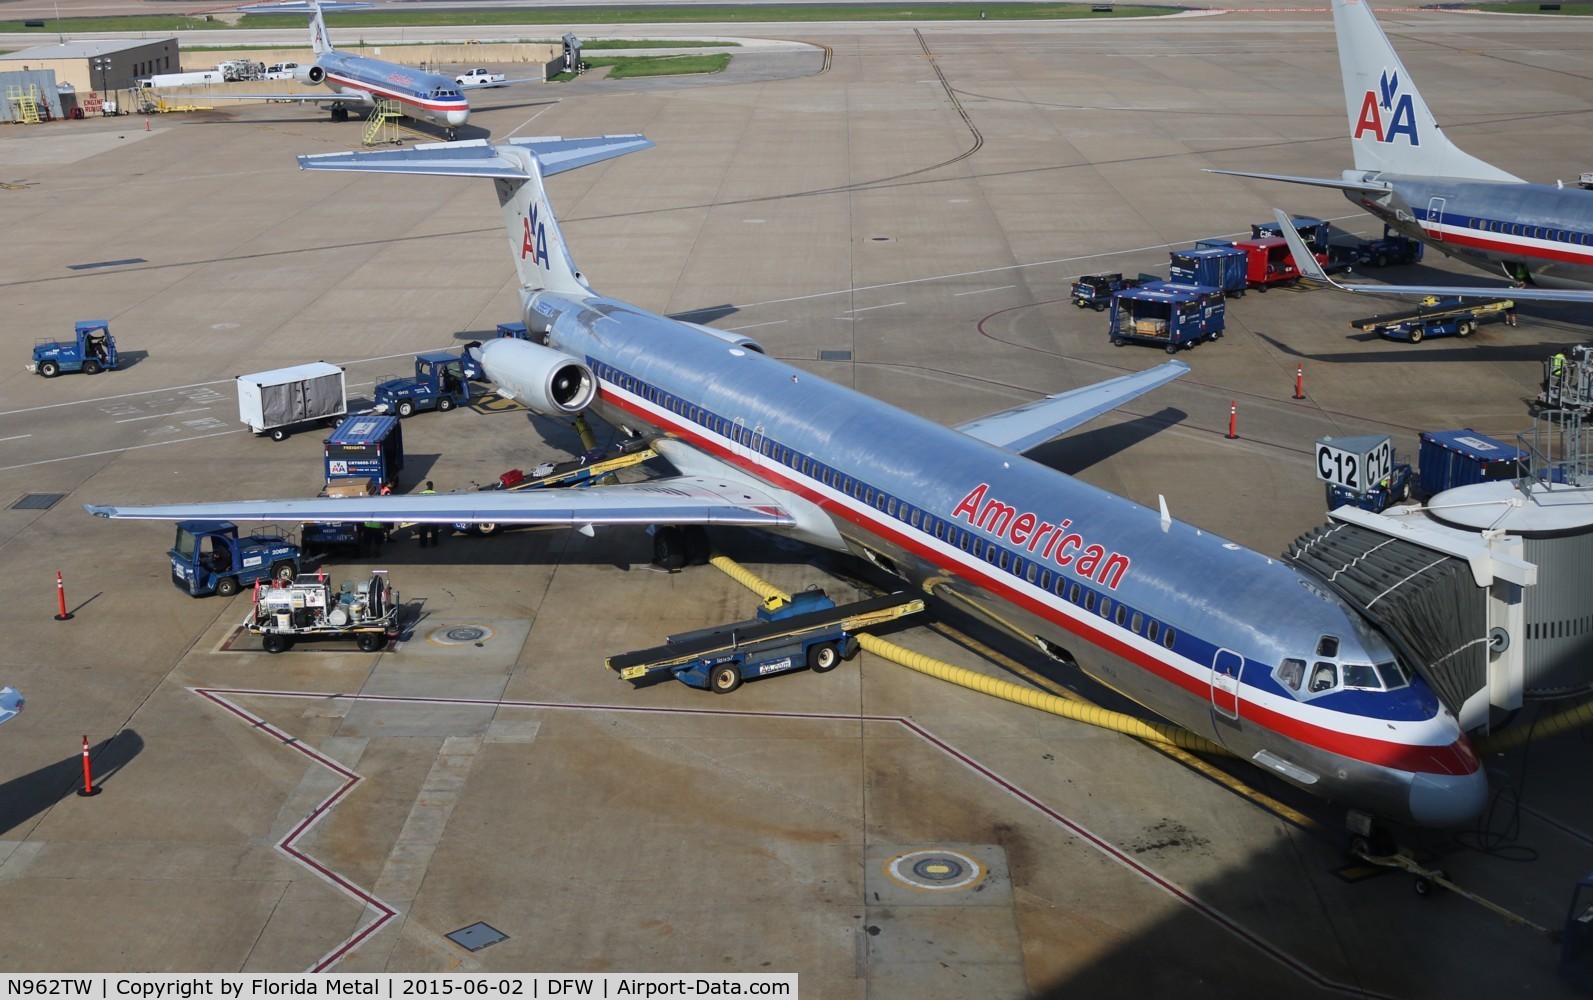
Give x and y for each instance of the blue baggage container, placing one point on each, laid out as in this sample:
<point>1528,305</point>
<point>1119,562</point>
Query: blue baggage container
<point>1460,458</point>
<point>1168,313</point>
<point>1219,267</point>
<point>366,446</point>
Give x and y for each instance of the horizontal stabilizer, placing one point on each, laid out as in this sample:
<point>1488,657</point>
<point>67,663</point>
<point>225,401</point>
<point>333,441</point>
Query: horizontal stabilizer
<point>1024,427</point>
<point>481,158</point>
<point>680,500</point>
<point>1336,183</point>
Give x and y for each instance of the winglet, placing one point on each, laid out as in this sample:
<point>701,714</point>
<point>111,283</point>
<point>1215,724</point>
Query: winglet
<point>1304,259</point>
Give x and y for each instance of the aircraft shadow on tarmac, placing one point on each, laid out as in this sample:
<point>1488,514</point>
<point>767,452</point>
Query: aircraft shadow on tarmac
<point>1077,452</point>
<point>1444,349</point>
<point>27,796</point>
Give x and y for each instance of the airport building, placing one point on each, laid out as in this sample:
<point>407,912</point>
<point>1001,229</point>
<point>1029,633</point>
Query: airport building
<point>99,65</point>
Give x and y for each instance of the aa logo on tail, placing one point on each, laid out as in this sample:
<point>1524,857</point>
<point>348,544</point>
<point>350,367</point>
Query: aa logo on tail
<point>535,242</point>
<point>1388,114</point>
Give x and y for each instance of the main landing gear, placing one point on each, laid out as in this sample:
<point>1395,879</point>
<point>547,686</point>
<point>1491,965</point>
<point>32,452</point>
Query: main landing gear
<point>339,112</point>
<point>675,548</point>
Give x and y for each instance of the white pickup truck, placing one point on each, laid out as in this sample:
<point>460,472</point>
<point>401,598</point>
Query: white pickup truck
<point>478,77</point>
<point>280,71</point>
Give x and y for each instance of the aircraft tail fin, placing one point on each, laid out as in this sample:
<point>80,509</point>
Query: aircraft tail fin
<point>540,254</point>
<point>1390,127</point>
<point>318,39</point>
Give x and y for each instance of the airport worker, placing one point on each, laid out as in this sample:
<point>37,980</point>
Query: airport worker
<point>428,529</point>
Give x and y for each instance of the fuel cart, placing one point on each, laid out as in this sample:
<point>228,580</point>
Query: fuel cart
<point>1169,314</point>
<point>309,607</point>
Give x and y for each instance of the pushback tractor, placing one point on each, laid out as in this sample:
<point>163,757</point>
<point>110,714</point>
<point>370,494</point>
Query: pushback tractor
<point>91,351</point>
<point>209,557</point>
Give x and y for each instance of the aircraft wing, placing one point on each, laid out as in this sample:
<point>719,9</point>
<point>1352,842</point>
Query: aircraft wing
<point>479,158</point>
<point>1308,265</point>
<point>10,703</point>
<point>1024,427</point>
<point>673,500</point>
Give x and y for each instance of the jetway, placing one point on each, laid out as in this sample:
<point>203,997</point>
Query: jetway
<point>1452,601</point>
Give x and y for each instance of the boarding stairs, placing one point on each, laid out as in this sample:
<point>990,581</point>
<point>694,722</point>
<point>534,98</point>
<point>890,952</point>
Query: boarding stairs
<point>383,123</point>
<point>24,104</point>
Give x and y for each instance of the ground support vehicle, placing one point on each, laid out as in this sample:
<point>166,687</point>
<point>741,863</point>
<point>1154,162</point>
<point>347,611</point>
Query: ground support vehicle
<point>583,471</point>
<point>1437,317</point>
<point>1314,233</point>
<point>1268,262</point>
<point>1460,458</point>
<point>1397,488</point>
<point>208,557</point>
<point>308,607</point>
<point>362,458</point>
<point>1568,381</point>
<point>277,402</point>
<point>809,631</point>
<point>1095,291</point>
<point>480,77</point>
<point>91,351</point>
<point>1391,249</point>
<point>440,383</point>
<point>1220,267</point>
<point>516,330</point>
<point>1167,313</point>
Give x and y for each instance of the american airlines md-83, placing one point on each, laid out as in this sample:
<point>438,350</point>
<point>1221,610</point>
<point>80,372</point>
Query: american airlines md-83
<point>1225,641</point>
<point>1409,175</point>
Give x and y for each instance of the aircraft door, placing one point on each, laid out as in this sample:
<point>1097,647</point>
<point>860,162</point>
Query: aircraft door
<point>1225,669</point>
<point>1435,215</point>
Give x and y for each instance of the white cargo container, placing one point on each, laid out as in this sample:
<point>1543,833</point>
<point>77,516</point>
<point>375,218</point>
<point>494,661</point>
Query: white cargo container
<point>273,402</point>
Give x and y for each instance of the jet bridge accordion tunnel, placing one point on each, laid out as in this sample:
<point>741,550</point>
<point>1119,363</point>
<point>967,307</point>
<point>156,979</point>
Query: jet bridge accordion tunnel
<point>1488,619</point>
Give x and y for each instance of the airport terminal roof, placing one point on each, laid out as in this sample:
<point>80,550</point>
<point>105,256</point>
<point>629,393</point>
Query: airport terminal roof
<point>81,50</point>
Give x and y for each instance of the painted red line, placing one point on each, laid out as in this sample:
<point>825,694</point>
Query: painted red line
<point>1101,845</point>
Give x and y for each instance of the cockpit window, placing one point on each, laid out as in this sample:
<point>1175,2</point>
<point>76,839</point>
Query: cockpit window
<point>1324,677</point>
<point>1328,645</point>
<point>1291,673</point>
<point>1393,676</point>
<point>1361,675</point>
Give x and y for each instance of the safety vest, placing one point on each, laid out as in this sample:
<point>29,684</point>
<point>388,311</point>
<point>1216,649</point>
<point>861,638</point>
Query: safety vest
<point>1557,365</point>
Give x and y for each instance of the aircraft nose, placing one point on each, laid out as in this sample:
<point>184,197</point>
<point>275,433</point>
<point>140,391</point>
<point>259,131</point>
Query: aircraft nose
<point>457,118</point>
<point>1447,800</point>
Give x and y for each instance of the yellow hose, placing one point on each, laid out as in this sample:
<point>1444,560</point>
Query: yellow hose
<point>1554,725</point>
<point>753,582</point>
<point>1017,694</point>
<point>1006,690</point>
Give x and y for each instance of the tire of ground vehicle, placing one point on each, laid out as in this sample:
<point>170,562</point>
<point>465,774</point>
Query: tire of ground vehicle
<point>1464,328</point>
<point>1416,335</point>
<point>1381,261</point>
<point>822,657</point>
<point>724,678</point>
<point>284,571</point>
<point>370,642</point>
<point>444,405</point>
<point>1118,341</point>
<point>486,529</point>
<point>49,369</point>
<point>1172,348</point>
<point>406,408</point>
<point>669,548</point>
<point>273,642</point>
<point>91,367</point>
<point>227,586</point>
<point>279,433</point>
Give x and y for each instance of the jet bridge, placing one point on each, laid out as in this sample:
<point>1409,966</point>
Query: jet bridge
<point>1451,600</point>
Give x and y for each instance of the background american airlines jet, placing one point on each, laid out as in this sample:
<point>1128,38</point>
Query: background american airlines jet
<point>359,81</point>
<point>1408,174</point>
<point>1227,642</point>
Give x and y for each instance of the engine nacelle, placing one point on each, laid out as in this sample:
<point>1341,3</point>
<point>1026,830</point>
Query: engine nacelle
<point>311,74</point>
<point>542,378</point>
<point>747,343</point>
